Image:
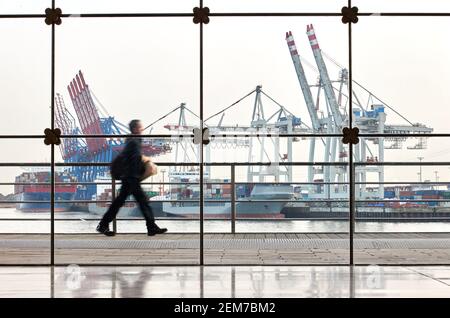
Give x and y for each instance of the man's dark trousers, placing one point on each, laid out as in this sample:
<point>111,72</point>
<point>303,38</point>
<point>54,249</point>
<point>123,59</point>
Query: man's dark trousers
<point>130,186</point>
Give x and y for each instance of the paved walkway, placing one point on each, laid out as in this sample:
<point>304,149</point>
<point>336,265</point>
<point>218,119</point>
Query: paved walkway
<point>261,249</point>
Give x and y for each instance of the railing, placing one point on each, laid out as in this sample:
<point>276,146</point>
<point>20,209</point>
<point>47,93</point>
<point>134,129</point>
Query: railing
<point>232,199</point>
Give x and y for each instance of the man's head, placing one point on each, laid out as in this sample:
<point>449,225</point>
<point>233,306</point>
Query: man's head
<point>136,127</point>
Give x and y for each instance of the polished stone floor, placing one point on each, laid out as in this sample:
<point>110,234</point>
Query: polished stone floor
<point>225,281</point>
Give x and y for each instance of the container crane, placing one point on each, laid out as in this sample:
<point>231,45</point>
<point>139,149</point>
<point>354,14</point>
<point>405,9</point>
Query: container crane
<point>99,149</point>
<point>367,120</point>
<point>317,125</point>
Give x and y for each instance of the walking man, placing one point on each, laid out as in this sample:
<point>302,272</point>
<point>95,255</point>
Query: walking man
<point>132,172</point>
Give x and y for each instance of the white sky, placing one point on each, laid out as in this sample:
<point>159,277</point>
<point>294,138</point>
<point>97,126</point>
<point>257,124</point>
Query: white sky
<point>143,68</point>
<point>102,6</point>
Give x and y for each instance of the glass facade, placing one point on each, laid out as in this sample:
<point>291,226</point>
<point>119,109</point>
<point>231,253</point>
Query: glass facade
<point>283,133</point>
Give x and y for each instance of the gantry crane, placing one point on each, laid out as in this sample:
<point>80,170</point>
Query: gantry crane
<point>369,119</point>
<point>92,150</point>
<point>282,121</point>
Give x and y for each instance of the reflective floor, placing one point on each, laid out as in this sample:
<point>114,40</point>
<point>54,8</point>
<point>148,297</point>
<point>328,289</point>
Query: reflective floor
<point>225,281</point>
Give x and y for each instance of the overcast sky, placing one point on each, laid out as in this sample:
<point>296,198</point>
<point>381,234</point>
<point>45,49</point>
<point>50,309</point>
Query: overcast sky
<point>144,67</point>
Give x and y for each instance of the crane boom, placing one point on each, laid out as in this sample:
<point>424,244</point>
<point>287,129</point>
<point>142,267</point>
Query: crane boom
<point>66,122</point>
<point>328,88</point>
<point>86,112</point>
<point>303,81</point>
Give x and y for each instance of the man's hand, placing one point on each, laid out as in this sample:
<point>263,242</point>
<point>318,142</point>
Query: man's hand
<point>146,159</point>
<point>151,169</point>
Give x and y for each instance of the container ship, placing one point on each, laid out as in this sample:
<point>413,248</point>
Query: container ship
<point>253,201</point>
<point>129,209</point>
<point>399,202</point>
<point>36,197</point>
<point>417,193</point>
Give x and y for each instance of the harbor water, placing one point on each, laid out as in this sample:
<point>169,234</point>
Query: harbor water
<point>15,221</point>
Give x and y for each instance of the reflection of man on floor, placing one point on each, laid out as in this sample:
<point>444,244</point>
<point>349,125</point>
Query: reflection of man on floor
<point>133,287</point>
<point>132,172</point>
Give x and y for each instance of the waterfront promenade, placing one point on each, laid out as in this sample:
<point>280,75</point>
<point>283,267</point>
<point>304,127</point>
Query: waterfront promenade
<point>226,249</point>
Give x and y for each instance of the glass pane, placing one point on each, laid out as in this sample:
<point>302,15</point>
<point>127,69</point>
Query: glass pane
<point>25,214</point>
<point>25,7</point>
<point>402,6</point>
<point>26,76</point>
<point>283,214</point>
<point>404,77</point>
<point>133,6</point>
<point>121,78</point>
<point>407,94</point>
<point>403,207</point>
<point>32,150</point>
<point>253,96</point>
<point>274,6</point>
<point>261,77</point>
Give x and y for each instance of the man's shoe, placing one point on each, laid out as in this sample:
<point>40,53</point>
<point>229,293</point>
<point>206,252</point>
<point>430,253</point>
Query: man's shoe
<point>156,230</point>
<point>104,229</point>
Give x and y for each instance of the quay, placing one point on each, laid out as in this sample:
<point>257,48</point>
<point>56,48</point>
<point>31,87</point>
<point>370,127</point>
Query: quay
<point>227,249</point>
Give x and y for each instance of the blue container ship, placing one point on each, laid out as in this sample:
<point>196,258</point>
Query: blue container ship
<point>36,197</point>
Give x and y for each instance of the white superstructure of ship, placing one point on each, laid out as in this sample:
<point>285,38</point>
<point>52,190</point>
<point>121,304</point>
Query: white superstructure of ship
<point>185,198</point>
